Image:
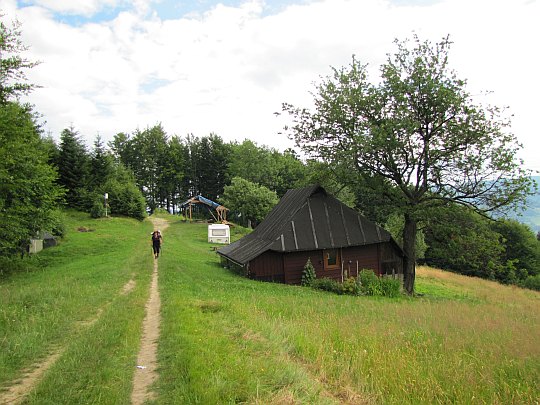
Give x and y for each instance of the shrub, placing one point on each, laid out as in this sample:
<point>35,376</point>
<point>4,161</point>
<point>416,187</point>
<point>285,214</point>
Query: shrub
<point>58,226</point>
<point>532,282</point>
<point>350,286</point>
<point>327,284</point>
<point>126,199</point>
<point>370,284</point>
<point>308,274</point>
<point>390,287</point>
<point>161,211</point>
<point>97,210</point>
<point>10,265</point>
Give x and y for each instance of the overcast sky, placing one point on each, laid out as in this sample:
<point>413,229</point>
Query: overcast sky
<point>225,67</point>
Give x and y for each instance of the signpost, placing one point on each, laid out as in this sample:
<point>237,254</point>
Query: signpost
<point>106,197</point>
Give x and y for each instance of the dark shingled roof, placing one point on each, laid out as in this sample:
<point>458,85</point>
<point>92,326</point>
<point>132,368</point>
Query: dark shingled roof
<point>306,219</point>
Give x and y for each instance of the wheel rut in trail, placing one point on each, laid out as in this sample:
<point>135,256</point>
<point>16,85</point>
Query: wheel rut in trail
<point>146,371</point>
<point>17,390</point>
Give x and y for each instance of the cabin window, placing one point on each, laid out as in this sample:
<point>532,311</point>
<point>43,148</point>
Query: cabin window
<point>331,258</point>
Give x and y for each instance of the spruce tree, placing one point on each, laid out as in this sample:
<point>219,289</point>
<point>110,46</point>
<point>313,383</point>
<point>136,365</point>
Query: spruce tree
<point>73,169</point>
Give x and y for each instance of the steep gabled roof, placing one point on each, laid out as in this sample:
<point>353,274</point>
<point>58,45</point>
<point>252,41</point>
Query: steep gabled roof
<point>306,219</point>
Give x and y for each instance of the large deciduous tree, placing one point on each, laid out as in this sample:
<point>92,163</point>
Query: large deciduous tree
<point>253,201</point>
<point>266,166</point>
<point>12,65</point>
<point>28,192</point>
<point>419,130</point>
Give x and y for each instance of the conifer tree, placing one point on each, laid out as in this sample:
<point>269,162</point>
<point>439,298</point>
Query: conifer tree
<point>73,169</point>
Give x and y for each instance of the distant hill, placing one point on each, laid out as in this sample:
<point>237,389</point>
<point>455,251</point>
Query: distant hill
<point>531,215</point>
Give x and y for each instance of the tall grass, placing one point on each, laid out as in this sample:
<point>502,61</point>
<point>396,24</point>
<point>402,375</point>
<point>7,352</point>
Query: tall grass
<point>72,303</point>
<point>227,339</point>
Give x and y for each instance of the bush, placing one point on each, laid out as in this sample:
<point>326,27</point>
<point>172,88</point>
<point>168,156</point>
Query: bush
<point>160,211</point>
<point>97,210</point>
<point>126,199</point>
<point>390,287</point>
<point>327,284</point>
<point>308,274</point>
<point>10,265</point>
<point>350,286</point>
<point>367,283</point>
<point>58,226</point>
<point>370,284</point>
<point>532,282</point>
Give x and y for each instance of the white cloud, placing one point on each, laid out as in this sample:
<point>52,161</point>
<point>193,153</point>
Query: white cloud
<point>229,69</point>
<point>78,7</point>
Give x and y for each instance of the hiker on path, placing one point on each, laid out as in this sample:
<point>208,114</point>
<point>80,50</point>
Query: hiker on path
<point>157,240</point>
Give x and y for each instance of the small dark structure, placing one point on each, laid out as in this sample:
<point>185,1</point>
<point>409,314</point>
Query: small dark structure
<point>310,224</point>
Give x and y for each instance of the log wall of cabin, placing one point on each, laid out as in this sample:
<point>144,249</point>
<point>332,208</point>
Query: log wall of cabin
<point>288,267</point>
<point>361,257</point>
<point>267,267</point>
<point>366,256</point>
<point>293,264</point>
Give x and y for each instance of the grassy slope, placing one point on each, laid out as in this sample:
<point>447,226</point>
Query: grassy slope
<point>226,339</point>
<point>54,309</point>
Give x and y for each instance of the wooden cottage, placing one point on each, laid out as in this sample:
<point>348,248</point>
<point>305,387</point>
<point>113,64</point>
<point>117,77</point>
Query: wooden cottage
<point>308,223</point>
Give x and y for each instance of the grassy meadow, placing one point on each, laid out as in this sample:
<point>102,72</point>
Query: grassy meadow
<point>72,303</point>
<point>225,339</point>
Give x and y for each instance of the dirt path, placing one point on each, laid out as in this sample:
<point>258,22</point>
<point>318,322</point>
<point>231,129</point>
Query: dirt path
<point>21,388</point>
<point>146,371</point>
<point>16,391</point>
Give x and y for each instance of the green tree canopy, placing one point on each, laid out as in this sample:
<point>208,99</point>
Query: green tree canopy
<point>13,81</point>
<point>418,129</point>
<point>101,164</point>
<point>28,192</point>
<point>73,168</point>
<point>266,166</point>
<point>125,198</point>
<point>521,246</point>
<point>251,200</point>
<point>462,241</point>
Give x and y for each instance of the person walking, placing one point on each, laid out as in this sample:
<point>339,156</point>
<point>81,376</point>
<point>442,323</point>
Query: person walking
<point>157,239</point>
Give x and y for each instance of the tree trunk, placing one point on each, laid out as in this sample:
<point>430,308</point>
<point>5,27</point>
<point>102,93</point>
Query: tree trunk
<point>409,238</point>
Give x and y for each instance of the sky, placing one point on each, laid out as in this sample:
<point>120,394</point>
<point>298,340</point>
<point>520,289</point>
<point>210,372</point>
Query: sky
<point>225,67</point>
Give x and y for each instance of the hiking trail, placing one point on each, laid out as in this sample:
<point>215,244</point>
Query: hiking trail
<point>146,371</point>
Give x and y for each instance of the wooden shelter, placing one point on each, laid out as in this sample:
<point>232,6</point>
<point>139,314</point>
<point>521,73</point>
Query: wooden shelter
<point>220,210</point>
<point>308,223</point>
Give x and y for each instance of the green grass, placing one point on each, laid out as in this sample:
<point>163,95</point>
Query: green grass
<point>226,339</point>
<point>51,308</point>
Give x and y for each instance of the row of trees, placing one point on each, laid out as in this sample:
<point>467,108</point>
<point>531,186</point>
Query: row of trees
<point>249,179</point>
<point>411,152</point>
<point>169,169</point>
